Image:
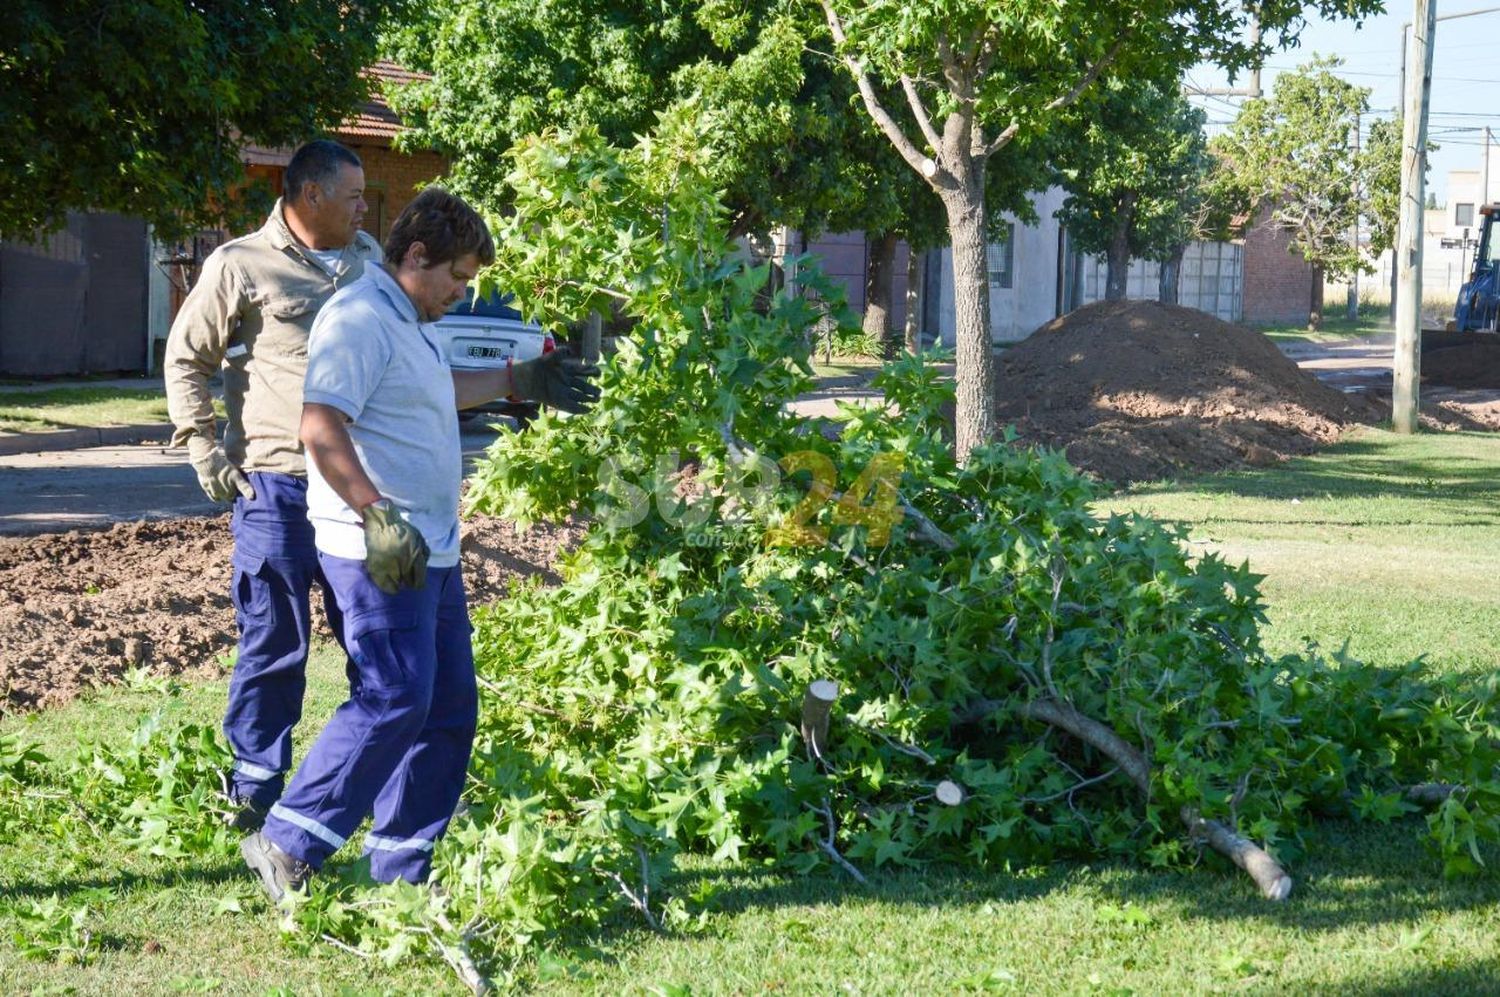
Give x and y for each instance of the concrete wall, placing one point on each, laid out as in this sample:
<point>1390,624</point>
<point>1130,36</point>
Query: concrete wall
<point>845,257</point>
<point>1031,300</point>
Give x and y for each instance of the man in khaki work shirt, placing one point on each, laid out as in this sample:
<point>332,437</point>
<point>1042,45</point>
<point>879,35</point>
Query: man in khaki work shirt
<point>249,316</point>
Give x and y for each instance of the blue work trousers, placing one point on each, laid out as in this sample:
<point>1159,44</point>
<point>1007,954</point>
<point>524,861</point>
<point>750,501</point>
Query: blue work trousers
<point>399,747</point>
<point>275,564</point>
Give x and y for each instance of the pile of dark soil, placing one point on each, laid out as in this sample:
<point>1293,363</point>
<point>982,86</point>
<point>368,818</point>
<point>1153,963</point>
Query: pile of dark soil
<point>1140,391</point>
<point>78,609</point>
<point>1473,364</point>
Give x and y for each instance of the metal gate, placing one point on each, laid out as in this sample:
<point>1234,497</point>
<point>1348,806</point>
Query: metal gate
<point>74,302</point>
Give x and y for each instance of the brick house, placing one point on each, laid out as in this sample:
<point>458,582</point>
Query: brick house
<point>1279,284</point>
<point>392,178</point>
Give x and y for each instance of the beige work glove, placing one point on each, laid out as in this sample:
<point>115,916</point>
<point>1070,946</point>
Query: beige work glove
<point>220,480</point>
<point>395,552</point>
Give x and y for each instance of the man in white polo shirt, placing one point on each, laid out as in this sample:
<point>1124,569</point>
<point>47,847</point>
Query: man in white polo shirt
<point>380,425</point>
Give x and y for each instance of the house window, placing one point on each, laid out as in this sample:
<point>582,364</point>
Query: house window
<point>1463,214</point>
<point>1001,258</point>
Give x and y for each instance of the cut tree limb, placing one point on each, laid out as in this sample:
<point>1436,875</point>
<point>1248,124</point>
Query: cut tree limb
<point>949,793</point>
<point>817,706</point>
<point>1268,874</point>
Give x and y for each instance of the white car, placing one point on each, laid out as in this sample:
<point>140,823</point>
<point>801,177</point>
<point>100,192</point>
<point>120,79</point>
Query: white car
<point>486,333</point>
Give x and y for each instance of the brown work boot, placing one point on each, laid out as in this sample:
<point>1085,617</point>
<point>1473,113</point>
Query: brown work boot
<point>277,870</point>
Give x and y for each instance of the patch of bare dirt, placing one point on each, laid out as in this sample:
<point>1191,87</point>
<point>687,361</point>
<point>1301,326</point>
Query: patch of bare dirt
<point>1470,365</point>
<point>1139,391</point>
<point>78,609</point>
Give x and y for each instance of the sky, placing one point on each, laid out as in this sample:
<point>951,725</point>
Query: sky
<point>1465,78</point>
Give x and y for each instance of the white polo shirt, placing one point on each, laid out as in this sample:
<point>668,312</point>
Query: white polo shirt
<point>371,359</point>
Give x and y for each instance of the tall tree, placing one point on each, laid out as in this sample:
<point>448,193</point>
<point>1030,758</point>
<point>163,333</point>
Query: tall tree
<point>788,148</point>
<point>1296,152</point>
<point>1132,171</point>
<point>142,106</point>
<point>978,74</point>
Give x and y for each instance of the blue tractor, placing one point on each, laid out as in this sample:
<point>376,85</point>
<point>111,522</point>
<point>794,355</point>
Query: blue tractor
<point>1479,300</point>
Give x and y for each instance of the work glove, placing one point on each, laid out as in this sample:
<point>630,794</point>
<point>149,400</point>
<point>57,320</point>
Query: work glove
<point>395,553</point>
<point>219,479</point>
<point>556,379</point>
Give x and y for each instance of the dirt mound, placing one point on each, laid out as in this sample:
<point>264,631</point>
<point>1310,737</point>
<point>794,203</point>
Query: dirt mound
<point>1138,391</point>
<point>1469,365</point>
<point>77,609</point>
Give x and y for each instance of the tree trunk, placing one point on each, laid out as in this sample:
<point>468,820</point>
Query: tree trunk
<point>1315,305</point>
<point>880,284</point>
<point>1118,255</point>
<point>974,356</point>
<point>913,301</point>
<point>1171,270</point>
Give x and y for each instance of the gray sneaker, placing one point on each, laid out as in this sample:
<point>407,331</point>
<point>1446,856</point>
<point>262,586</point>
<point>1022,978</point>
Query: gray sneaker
<point>277,870</point>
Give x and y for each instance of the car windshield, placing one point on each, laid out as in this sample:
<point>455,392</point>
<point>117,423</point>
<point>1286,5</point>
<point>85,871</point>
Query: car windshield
<point>494,306</point>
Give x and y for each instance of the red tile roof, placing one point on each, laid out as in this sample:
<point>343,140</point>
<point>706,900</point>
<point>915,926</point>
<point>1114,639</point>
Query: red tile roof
<point>375,119</point>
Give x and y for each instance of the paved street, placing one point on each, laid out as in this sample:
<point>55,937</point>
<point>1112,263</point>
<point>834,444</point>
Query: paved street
<point>96,486</point>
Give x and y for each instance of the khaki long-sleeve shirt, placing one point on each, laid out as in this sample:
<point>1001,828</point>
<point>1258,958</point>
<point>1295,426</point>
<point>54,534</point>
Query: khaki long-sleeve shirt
<point>250,313</point>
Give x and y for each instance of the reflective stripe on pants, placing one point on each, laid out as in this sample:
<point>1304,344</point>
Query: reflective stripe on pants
<point>275,564</point>
<point>399,746</point>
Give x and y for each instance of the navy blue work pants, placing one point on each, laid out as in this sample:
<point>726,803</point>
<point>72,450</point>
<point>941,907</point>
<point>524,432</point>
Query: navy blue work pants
<point>399,747</point>
<point>275,564</point>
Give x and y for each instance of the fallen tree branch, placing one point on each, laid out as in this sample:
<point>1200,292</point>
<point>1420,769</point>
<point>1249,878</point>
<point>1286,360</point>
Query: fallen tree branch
<point>830,849</point>
<point>1268,874</point>
<point>817,707</point>
<point>1430,794</point>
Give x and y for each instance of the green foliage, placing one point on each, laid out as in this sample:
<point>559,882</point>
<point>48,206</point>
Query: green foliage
<point>1136,172</point>
<point>58,929</point>
<point>1296,152</point>
<point>650,704</point>
<point>789,147</point>
<point>159,791</point>
<point>1380,167</point>
<point>142,107</point>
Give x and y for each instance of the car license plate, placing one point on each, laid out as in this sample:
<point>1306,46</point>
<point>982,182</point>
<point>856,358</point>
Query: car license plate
<point>488,352</point>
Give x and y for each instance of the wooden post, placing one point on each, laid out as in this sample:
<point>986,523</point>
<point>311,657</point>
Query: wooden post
<point>817,706</point>
<point>1407,362</point>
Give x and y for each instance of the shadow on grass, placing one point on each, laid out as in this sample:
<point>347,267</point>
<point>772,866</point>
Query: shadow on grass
<point>1362,468</point>
<point>165,876</point>
<point>1476,977</point>
<point>1351,876</point>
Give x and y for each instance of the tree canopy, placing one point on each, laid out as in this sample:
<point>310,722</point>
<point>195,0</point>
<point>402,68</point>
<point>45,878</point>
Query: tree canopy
<point>1134,170</point>
<point>1296,153</point>
<point>142,106</point>
<point>789,149</point>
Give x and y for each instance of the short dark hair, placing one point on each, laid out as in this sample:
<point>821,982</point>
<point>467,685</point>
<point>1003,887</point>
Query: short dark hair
<point>316,162</point>
<point>445,225</point>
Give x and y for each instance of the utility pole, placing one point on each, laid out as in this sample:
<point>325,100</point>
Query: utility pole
<point>1253,89</point>
<point>1484,170</point>
<point>1401,96</point>
<point>1351,311</point>
<point>1406,365</point>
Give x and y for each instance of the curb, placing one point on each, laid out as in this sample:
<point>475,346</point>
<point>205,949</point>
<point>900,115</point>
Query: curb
<point>76,439</point>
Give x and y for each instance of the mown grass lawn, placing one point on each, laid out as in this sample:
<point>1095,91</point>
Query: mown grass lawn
<point>1392,543</point>
<point>1333,330</point>
<point>68,408</point>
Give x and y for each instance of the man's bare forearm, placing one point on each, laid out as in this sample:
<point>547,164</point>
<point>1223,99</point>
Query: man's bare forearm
<point>475,387</point>
<point>331,450</point>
